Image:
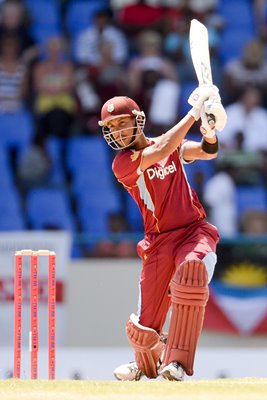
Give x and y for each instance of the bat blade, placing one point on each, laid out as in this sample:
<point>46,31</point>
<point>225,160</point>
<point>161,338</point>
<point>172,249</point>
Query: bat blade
<point>199,48</point>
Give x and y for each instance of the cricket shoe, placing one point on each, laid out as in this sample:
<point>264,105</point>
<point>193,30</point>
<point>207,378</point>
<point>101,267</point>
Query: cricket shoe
<point>128,372</point>
<point>173,372</point>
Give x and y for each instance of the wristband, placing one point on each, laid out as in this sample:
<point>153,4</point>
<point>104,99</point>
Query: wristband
<point>210,148</point>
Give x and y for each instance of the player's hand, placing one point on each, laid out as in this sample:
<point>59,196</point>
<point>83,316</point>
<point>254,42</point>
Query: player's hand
<point>214,108</point>
<point>202,93</point>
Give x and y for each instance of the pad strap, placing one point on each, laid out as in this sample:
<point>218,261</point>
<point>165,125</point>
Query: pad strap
<point>189,295</point>
<point>147,345</point>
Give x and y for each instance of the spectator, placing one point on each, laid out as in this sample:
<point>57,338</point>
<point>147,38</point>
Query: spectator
<point>246,127</point>
<point>55,103</point>
<point>95,84</point>
<point>13,76</point>
<point>137,16</point>
<point>251,69</point>
<point>254,223</point>
<point>34,167</point>
<point>117,246</point>
<point>219,197</point>
<point>153,81</point>
<point>176,46</point>
<point>149,63</point>
<point>14,20</point>
<point>87,49</point>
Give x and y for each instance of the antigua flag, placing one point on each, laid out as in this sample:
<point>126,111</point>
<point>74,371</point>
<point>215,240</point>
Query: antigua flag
<point>237,309</point>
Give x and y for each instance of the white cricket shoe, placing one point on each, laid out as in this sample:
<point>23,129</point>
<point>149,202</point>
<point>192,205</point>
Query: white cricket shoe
<point>173,372</point>
<point>128,372</point>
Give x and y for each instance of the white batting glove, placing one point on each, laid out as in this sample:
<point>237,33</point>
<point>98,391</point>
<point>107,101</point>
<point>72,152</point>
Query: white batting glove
<point>202,93</point>
<point>215,107</point>
<point>207,127</point>
<point>213,116</point>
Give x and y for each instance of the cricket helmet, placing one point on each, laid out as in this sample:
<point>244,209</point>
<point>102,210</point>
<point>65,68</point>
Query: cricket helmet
<point>116,107</point>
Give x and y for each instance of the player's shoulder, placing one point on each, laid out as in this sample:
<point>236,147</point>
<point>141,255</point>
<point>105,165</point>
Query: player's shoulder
<point>123,158</point>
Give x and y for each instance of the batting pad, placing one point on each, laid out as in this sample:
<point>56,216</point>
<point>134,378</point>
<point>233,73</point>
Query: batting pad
<point>189,295</point>
<point>147,345</point>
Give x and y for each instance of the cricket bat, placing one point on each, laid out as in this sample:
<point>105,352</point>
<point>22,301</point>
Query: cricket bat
<point>199,48</point>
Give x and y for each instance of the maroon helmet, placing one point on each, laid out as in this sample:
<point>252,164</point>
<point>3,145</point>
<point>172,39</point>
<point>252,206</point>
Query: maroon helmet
<point>116,107</point>
<point>120,106</point>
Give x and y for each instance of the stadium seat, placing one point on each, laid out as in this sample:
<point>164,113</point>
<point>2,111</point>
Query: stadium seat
<point>237,14</point>
<point>250,198</point>
<point>44,12</point>
<point>6,176</point>
<point>80,14</point>
<point>87,150</point>
<point>205,168</point>
<point>16,130</point>
<point>49,208</point>
<point>54,147</point>
<point>133,215</point>
<point>10,210</point>
<point>45,17</point>
<point>89,162</point>
<point>233,41</point>
<point>93,211</point>
<point>186,90</point>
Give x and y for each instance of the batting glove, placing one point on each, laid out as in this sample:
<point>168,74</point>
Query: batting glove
<point>213,116</point>
<point>207,127</point>
<point>202,93</point>
<point>215,107</point>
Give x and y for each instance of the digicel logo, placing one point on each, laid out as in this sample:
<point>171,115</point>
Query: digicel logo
<point>161,172</point>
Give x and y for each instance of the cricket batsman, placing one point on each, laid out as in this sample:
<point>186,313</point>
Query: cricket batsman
<point>178,251</point>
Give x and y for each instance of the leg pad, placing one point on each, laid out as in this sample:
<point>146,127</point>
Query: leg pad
<point>147,345</point>
<point>189,295</point>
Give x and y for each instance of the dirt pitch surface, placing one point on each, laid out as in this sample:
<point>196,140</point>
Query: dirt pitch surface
<point>219,389</point>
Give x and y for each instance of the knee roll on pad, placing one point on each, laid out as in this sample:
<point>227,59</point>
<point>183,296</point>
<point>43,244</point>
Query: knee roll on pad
<point>189,295</point>
<point>147,345</point>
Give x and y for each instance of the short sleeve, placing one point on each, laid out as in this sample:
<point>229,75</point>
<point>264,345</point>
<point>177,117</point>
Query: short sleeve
<point>126,166</point>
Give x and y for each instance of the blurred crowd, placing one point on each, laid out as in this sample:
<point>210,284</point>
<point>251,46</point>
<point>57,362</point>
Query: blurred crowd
<point>61,76</point>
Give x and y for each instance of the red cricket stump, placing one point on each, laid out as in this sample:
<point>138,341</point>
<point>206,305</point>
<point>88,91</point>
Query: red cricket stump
<point>33,336</point>
<point>34,291</point>
<point>17,315</point>
<point>52,316</point>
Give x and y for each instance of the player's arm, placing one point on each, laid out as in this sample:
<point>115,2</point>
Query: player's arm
<point>207,149</point>
<point>171,140</point>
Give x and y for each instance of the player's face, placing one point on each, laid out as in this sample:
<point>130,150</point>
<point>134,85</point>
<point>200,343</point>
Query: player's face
<point>122,130</point>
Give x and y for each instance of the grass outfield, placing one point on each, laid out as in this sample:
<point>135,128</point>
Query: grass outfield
<point>219,389</point>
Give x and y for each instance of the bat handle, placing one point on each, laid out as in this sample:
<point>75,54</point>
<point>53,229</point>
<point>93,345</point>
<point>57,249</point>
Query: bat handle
<point>211,119</point>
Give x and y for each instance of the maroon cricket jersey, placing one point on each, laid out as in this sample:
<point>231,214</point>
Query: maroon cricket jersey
<point>162,192</point>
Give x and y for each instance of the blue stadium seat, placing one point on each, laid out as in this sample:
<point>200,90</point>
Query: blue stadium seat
<point>206,168</point>
<point>6,176</point>
<point>250,198</point>
<point>54,147</point>
<point>16,130</point>
<point>186,89</point>
<point>80,14</point>
<point>133,215</point>
<point>10,210</point>
<point>46,18</point>
<point>49,208</point>
<point>233,42</point>
<point>237,13</point>
<point>43,34</point>
<point>93,211</point>
<point>44,12</point>
<point>89,163</point>
<point>87,150</point>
